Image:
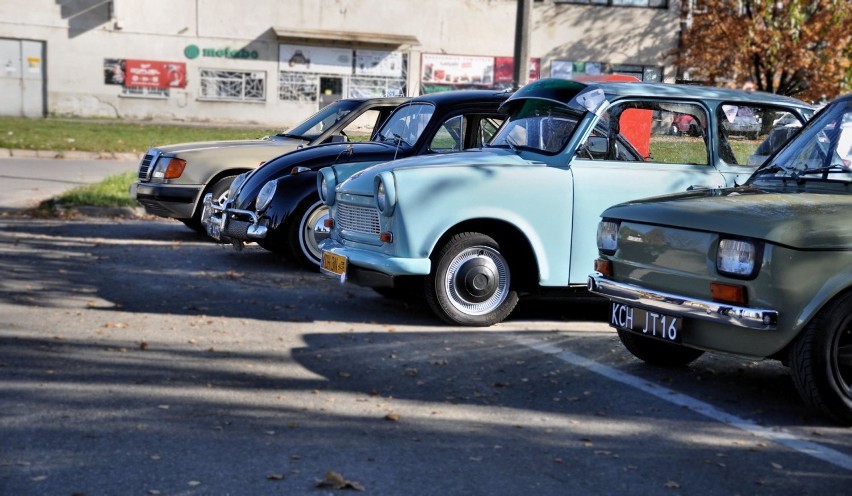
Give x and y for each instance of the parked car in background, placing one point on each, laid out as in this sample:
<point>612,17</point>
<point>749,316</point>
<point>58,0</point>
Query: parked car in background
<point>477,230</point>
<point>762,270</point>
<point>173,179</point>
<point>278,205</point>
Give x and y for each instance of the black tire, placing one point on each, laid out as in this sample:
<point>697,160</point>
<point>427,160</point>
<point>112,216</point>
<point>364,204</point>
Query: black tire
<point>220,192</point>
<point>656,352</point>
<point>470,283</point>
<point>821,361</point>
<point>306,232</point>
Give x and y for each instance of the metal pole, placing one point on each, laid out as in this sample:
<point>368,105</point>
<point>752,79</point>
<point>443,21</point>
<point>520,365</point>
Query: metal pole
<point>521,72</point>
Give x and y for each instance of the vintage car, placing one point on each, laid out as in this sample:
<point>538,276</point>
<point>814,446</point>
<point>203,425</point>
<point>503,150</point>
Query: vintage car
<point>278,206</point>
<point>478,229</point>
<point>173,179</point>
<point>762,270</point>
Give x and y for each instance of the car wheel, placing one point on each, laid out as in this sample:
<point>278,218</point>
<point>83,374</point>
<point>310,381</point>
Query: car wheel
<point>219,189</point>
<point>657,352</point>
<point>821,361</point>
<point>305,236</point>
<point>470,283</point>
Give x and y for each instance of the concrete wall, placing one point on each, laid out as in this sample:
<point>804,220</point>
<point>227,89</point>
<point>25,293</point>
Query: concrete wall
<point>80,34</point>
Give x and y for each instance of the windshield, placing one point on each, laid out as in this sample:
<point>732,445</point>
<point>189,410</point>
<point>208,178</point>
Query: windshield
<point>406,124</point>
<point>822,151</point>
<point>318,123</point>
<point>539,126</point>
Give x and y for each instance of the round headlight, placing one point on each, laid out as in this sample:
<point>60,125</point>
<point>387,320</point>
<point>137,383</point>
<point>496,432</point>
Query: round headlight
<point>264,198</point>
<point>381,197</point>
<point>607,236</point>
<point>384,188</point>
<point>326,184</point>
<point>237,183</point>
<point>736,257</point>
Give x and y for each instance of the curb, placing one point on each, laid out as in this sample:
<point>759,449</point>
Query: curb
<point>68,154</point>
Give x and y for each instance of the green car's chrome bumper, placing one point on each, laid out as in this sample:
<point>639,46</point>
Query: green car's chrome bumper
<point>694,308</point>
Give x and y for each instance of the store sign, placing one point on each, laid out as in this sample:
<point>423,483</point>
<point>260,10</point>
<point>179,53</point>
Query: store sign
<point>154,74</point>
<point>306,58</point>
<point>378,63</point>
<point>192,52</point>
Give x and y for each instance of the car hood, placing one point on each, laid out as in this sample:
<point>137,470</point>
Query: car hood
<point>180,148</point>
<point>361,183</point>
<point>802,220</point>
<point>313,158</point>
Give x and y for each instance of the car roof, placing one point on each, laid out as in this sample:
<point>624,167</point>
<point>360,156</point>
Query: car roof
<point>563,92</point>
<point>464,96</point>
<point>698,91</point>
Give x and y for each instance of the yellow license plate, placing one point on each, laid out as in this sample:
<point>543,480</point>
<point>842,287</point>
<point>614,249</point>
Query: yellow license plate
<point>335,264</point>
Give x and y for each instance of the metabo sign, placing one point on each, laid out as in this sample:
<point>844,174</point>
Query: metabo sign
<point>192,51</point>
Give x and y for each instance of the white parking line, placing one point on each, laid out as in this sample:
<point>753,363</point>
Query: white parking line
<point>776,435</point>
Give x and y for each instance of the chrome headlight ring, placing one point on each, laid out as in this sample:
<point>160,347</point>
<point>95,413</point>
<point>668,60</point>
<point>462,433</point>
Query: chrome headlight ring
<point>608,236</point>
<point>326,184</point>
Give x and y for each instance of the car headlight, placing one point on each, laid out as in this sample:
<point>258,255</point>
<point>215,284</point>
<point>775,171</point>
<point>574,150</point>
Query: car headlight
<point>736,257</point>
<point>607,236</point>
<point>385,191</point>
<point>264,198</point>
<point>326,183</point>
<point>237,183</point>
<point>168,168</point>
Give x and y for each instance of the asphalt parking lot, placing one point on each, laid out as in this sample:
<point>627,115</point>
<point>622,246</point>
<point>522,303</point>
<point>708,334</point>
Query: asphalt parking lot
<point>139,358</point>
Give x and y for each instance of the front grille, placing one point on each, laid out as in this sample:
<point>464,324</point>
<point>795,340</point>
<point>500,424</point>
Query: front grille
<point>145,167</point>
<point>358,219</point>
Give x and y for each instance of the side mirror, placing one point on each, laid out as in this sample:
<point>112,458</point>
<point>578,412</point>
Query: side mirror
<point>596,147</point>
<point>338,138</point>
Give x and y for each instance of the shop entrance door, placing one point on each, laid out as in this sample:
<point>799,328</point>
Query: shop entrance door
<point>331,90</point>
<point>22,78</point>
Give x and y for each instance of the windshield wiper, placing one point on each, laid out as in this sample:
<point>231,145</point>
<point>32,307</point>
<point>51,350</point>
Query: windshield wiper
<point>823,170</point>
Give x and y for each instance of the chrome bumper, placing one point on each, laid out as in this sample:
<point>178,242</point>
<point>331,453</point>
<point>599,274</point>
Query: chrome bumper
<point>751,318</point>
<point>219,223</point>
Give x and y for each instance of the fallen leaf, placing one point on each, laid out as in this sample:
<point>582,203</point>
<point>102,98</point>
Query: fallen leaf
<point>194,483</point>
<point>336,481</point>
<point>274,476</point>
<point>672,485</point>
<point>776,466</point>
<point>392,416</point>
<point>143,345</point>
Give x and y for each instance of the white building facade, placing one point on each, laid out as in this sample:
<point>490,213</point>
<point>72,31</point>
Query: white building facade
<point>274,62</point>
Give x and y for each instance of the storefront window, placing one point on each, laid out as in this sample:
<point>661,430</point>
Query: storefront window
<point>233,85</point>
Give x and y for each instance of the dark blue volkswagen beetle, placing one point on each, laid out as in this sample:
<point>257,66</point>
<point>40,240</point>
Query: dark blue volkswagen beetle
<point>278,206</point>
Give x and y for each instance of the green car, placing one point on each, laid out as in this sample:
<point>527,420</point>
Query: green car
<point>762,270</point>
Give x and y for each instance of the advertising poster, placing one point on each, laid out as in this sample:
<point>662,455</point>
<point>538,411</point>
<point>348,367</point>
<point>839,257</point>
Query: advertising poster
<point>457,69</point>
<point>305,58</point>
<point>145,73</point>
<point>378,63</point>
<point>504,68</point>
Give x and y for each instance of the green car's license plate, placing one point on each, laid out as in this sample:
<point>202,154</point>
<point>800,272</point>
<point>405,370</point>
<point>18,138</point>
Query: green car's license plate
<point>652,324</point>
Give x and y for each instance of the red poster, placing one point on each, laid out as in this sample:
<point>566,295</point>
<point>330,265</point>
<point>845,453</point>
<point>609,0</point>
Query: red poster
<point>155,74</point>
<point>504,66</point>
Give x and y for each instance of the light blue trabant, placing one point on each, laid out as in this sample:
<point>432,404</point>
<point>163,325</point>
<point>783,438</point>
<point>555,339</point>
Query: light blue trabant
<point>476,230</point>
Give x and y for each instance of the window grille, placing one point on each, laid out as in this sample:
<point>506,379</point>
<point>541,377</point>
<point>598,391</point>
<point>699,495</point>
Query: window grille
<point>238,86</point>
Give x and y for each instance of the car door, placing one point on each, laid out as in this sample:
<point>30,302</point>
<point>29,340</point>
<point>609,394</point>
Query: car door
<point>655,161</point>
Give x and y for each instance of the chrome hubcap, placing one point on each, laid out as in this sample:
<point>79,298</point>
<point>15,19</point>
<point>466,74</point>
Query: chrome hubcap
<point>313,231</point>
<point>477,280</point>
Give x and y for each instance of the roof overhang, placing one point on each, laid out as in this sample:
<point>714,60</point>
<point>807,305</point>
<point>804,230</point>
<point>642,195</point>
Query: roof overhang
<point>346,38</point>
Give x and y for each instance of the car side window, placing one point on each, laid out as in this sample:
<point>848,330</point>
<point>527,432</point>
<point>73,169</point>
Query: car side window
<point>650,131</point>
<point>450,136</point>
<point>749,134</point>
<point>362,128</point>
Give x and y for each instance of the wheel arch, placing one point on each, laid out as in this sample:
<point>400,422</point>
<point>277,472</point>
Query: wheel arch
<point>514,244</point>
<point>213,180</point>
